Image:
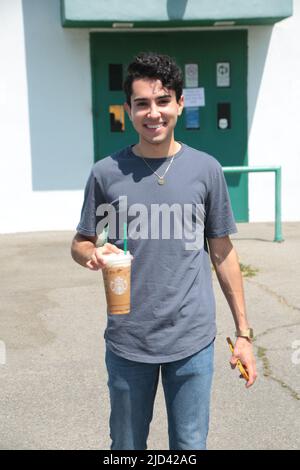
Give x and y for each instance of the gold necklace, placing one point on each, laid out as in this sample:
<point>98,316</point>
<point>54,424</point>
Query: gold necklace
<point>161,179</point>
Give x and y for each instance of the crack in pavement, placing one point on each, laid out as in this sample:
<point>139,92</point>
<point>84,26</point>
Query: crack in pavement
<point>262,352</point>
<point>278,297</point>
<point>264,333</point>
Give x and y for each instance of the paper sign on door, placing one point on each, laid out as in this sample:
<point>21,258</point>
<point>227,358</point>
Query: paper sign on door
<point>191,75</point>
<point>223,74</point>
<point>193,97</point>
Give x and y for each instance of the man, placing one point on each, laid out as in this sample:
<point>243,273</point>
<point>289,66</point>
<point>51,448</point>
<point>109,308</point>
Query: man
<point>171,325</point>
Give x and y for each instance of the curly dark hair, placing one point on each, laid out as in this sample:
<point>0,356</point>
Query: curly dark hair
<point>153,65</point>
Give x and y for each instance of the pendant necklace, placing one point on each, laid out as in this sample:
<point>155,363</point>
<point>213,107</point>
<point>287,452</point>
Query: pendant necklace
<point>161,179</point>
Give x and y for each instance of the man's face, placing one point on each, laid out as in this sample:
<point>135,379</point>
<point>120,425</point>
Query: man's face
<point>154,110</point>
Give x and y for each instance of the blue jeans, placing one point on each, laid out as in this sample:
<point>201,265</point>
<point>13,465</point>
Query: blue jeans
<point>187,386</point>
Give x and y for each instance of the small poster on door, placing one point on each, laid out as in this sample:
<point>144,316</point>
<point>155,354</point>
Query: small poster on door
<point>117,118</point>
<point>192,120</point>
<point>223,74</point>
<point>193,97</point>
<point>191,75</point>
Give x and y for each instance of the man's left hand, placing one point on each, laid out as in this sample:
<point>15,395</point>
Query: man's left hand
<point>243,350</point>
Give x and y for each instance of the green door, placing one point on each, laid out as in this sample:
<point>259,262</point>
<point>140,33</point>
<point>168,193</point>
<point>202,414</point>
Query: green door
<point>216,62</point>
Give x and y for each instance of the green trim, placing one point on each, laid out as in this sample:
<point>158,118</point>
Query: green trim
<point>166,24</point>
<point>63,13</point>
<point>94,108</point>
<point>171,13</point>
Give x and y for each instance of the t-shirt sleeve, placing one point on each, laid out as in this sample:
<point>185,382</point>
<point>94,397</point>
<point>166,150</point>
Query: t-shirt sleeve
<point>93,197</point>
<point>219,219</point>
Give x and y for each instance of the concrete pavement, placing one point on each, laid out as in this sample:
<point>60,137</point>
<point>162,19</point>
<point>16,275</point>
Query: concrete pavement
<point>53,392</point>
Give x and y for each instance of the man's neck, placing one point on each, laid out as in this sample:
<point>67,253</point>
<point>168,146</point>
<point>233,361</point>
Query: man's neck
<point>144,149</point>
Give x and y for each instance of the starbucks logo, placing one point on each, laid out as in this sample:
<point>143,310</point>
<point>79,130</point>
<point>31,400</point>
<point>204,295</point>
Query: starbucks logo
<point>118,286</point>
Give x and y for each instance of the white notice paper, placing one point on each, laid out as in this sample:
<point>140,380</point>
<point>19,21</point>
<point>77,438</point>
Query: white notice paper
<point>191,75</point>
<point>223,74</point>
<point>193,97</point>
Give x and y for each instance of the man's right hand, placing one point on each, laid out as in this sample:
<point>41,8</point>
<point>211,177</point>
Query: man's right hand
<point>97,261</point>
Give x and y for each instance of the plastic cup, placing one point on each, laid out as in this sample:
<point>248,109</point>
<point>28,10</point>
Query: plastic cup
<point>116,277</point>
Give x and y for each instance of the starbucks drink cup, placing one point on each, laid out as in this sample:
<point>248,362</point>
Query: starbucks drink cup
<point>116,277</point>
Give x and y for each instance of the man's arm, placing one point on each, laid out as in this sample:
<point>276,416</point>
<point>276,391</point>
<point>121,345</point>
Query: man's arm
<point>226,264</point>
<point>85,252</point>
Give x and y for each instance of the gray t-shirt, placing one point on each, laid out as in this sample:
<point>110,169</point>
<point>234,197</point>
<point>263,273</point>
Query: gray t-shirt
<point>172,302</point>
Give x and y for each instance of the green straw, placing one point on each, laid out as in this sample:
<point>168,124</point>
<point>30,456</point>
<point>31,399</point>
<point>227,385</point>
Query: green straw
<point>106,234</point>
<point>125,238</point>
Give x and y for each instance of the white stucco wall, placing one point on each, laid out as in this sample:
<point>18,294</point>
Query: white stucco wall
<point>273,115</point>
<point>46,144</point>
<point>15,167</point>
